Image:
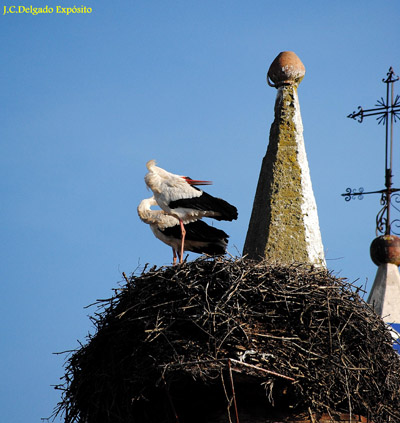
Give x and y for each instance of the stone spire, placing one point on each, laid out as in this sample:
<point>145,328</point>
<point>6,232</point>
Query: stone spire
<point>385,292</point>
<point>284,223</point>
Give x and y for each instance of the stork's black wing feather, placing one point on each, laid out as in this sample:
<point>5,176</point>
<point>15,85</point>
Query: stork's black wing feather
<point>197,231</point>
<point>207,202</point>
<point>200,237</point>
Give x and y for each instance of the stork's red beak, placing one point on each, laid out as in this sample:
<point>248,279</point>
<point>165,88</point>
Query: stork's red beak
<point>191,181</point>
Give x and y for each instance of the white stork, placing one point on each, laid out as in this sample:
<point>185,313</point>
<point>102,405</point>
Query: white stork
<point>200,237</point>
<point>178,196</point>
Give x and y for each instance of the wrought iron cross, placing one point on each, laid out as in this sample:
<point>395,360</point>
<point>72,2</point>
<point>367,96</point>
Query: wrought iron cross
<point>387,113</point>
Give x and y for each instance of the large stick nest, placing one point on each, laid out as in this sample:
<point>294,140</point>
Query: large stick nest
<point>162,344</point>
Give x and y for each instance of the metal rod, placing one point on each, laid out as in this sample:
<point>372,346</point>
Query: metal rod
<point>387,126</point>
<point>349,193</point>
<point>391,124</point>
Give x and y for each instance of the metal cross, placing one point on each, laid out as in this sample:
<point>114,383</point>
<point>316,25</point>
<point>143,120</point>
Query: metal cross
<point>386,113</point>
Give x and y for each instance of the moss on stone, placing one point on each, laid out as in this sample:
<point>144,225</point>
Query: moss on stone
<point>277,230</point>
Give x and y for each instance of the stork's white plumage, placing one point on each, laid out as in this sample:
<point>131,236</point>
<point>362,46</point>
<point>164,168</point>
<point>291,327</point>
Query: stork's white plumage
<point>200,237</point>
<point>177,196</point>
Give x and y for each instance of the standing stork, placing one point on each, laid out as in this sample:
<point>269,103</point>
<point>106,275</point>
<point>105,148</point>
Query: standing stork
<point>178,196</point>
<point>200,237</point>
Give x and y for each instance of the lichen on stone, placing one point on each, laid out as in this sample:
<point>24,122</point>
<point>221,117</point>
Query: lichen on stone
<point>277,229</point>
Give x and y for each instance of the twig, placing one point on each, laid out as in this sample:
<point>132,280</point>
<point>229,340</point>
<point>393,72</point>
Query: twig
<point>233,391</point>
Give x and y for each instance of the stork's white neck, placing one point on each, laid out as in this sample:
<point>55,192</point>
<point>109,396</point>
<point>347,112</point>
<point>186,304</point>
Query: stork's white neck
<point>145,213</point>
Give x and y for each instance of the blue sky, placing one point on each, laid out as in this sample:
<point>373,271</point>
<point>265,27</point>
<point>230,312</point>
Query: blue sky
<point>87,99</point>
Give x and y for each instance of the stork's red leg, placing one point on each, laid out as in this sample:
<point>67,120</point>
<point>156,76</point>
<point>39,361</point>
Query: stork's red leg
<point>183,231</point>
<point>174,255</point>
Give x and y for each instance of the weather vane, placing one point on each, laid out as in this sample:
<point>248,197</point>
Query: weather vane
<point>386,113</point>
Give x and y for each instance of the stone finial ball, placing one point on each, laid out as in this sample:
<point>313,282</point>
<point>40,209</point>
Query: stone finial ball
<point>385,249</point>
<point>286,69</point>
